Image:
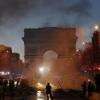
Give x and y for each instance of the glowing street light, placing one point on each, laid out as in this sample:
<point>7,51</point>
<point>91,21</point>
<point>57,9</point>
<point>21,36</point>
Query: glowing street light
<point>96,27</point>
<point>98,68</point>
<point>39,86</point>
<point>89,80</point>
<point>15,83</point>
<point>4,73</point>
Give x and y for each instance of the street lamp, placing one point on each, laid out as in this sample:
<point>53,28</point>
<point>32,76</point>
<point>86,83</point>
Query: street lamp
<point>96,27</point>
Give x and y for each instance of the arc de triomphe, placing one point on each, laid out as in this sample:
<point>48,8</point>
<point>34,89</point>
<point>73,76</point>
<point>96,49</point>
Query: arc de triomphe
<point>54,50</point>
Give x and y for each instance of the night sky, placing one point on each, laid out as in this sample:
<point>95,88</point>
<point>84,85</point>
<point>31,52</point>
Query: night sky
<point>15,15</point>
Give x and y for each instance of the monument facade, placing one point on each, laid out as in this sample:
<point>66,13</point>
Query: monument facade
<point>51,52</point>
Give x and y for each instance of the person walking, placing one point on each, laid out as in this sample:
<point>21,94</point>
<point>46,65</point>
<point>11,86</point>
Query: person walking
<point>48,91</point>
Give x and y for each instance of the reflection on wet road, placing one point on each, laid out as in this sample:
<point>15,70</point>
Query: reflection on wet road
<point>40,95</point>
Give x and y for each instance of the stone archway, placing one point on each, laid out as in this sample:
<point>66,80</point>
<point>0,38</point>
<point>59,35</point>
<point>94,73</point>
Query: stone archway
<point>57,44</point>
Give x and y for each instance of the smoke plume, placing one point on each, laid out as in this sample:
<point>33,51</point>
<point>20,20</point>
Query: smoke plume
<point>15,15</point>
<point>50,10</point>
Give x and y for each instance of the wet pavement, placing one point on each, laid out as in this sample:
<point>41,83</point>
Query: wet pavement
<point>40,95</point>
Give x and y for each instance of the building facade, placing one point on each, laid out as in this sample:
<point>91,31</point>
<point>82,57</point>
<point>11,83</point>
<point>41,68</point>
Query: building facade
<point>96,47</point>
<point>16,65</point>
<point>5,57</point>
<point>10,62</point>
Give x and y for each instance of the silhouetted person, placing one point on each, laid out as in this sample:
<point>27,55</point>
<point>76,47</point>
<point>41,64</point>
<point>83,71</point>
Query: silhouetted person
<point>5,83</point>
<point>91,88</point>
<point>11,87</point>
<point>84,88</point>
<point>1,89</point>
<point>97,82</point>
<point>24,86</point>
<point>4,87</point>
<point>48,91</point>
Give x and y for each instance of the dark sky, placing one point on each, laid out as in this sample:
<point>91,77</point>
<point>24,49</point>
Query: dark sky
<point>15,15</point>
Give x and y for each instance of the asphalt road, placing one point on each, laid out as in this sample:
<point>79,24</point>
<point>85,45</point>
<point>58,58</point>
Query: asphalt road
<point>42,96</point>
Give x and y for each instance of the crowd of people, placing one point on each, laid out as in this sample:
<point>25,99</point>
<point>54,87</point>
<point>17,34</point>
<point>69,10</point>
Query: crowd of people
<point>12,87</point>
<point>91,86</point>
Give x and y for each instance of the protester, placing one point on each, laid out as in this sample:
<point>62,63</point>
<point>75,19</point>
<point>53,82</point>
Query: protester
<point>48,91</point>
<point>11,87</point>
<point>91,88</point>
<point>97,81</point>
<point>1,89</point>
<point>84,88</point>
